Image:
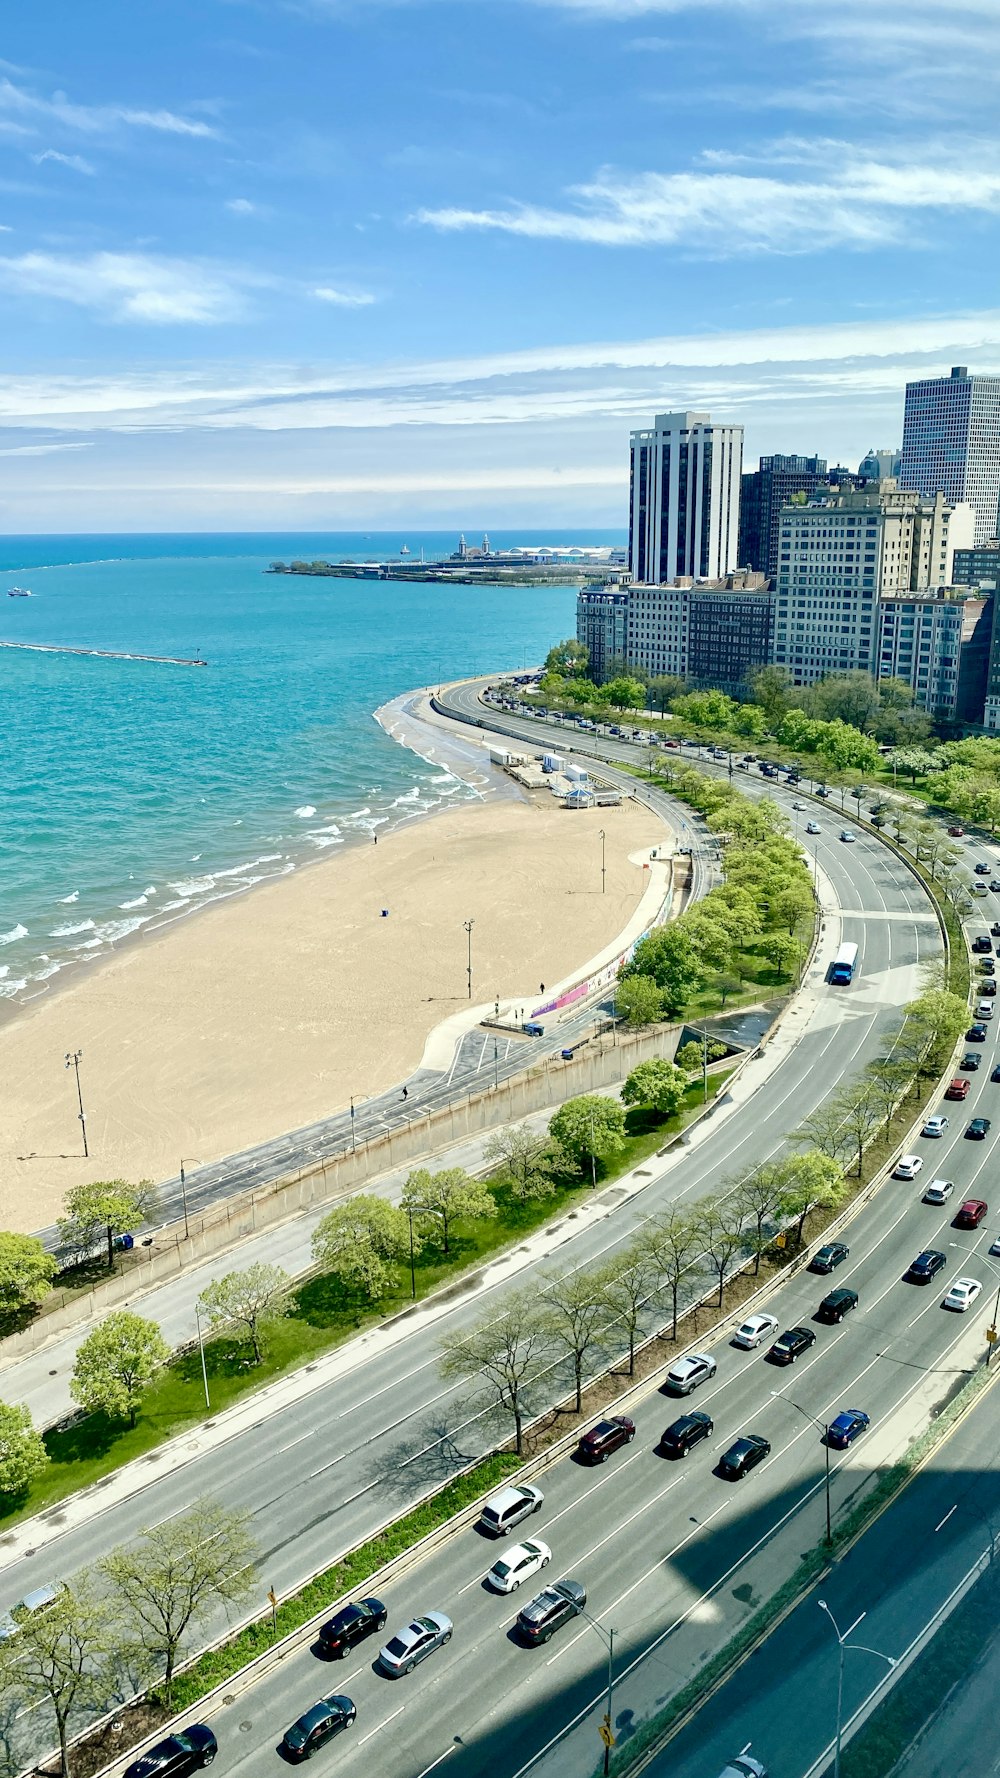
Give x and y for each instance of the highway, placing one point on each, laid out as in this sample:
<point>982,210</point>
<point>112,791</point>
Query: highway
<point>323,1474</point>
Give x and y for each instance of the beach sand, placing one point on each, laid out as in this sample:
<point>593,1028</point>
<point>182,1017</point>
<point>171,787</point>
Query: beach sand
<point>268,1011</point>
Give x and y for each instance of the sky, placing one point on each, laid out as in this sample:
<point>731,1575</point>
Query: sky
<point>356,263</point>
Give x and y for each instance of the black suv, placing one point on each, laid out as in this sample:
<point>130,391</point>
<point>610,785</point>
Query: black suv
<point>743,1456</point>
<point>605,1437</point>
<point>317,1726</point>
<point>829,1257</point>
<point>351,1625</point>
<point>790,1345</point>
<point>925,1267</point>
<point>835,1306</point>
<point>561,1601</point>
<point>982,944</point>
<point>685,1433</point>
<point>179,1754</point>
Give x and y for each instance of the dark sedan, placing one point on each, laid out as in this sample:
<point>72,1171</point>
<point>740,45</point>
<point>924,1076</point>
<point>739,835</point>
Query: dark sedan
<point>317,1726</point>
<point>979,1129</point>
<point>848,1426</point>
<point>743,1456</point>
<point>178,1755</point>
<point>790,1345</point>
<point>976,1034</point>
<point>925,1267</point>
<point>970,1062</point>
<point>352,1625</point>
<point>829,1257</point>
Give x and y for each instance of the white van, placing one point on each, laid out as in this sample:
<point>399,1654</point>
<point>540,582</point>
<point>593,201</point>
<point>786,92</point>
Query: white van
<point>507,1508</point>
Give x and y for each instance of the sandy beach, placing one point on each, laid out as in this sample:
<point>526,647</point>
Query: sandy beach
<point>269,1011</point>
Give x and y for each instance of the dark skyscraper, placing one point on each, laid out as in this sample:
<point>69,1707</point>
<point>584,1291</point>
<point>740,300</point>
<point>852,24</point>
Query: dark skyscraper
<point>764,492</point>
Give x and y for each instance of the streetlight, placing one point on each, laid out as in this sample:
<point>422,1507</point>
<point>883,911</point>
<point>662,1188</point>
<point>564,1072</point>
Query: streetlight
<point>496,1066</point>
<point>354,1134</point>
<point>413,1210</point>
<point>844,1646</point>
<point>73,1060</point>
<point>607,1635</point>
<point>201,1348</point>
<point>184,1196</point>
<point>824,1427</point>
<point>602,837</point>
<point>468,925</point>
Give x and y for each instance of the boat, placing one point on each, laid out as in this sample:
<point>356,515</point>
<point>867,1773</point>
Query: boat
<point>405,551</point>
<point>19,592</point>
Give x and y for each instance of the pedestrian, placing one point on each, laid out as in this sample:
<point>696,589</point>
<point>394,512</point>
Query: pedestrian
<point>541,987</point>
<point>406,1092</point>
<point>375,838</point>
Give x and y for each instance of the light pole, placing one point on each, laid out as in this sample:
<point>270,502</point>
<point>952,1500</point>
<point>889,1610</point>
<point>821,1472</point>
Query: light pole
<point>607,1635</point>
<point>496,1066</point>
<point>354,1134</point>
<point>413,1210</point>
<point>825,1429</point>
<point>201,1348</point>
<point>184,1196</point>
<point>602,837</point>
<point>468,925</point>
<point>983,1261</point>
<point>844,1645</point>
<point>73,1060</point>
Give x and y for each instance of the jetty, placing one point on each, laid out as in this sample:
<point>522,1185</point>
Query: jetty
<point>108,654</point>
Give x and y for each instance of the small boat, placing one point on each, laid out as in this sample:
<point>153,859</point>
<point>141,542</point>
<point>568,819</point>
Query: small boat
<point>405,550</point>
<point>19,592</point>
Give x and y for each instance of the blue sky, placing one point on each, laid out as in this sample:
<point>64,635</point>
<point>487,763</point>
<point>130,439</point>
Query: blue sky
<point>355,262</point>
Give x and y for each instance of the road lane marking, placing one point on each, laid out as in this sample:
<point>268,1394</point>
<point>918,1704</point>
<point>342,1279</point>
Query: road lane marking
<point>384,1724</point>
<point>436,1762</point>
<point>942,1522</point>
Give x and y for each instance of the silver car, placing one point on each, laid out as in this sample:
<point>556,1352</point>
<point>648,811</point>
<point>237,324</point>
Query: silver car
<point>402,1651</point>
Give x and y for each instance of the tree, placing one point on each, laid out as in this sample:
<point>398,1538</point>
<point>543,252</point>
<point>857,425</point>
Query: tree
<point>525,1160</point>
<point>502,1353</point>
<point>574,1316</point>
<point>723,1234</point>
<point>107,1208</point>
<point>359,1242</point>
<point>783,953</point>
<point>788,908</point>
<point>638,1000</point>
<point>825,1131</point>
<point>178,1573</point>
<point>662,689</point>
<point>116,1363</point>
<point>932,1025</point>
<point>659,1084</point>
<point>26,1271</point>
<point>625,1284</point>
<point>771,689</point>
<point>671,1243</point>
<point>22,1449</point>
<point>569,658</point>
<point>60,1656</point>
<point>812,1181</point>
<point>690,1057</point>
<point>848,699</point>
<point>625,693</point>
<point>448,1194</point>
<point>589,1129</point>
<point>726,985</point>
<point>710,939</point>
<point>249,1301</point>
<point>757,1196</point>
<point>669,957</point>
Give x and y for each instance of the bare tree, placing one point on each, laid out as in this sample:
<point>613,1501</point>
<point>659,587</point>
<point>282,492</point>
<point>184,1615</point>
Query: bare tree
<point>824,1129</point>
<point>626,1283</point>
<point>525,1159</point>
<point>756,1197</point>
<point>502,1353</point>
<point>60,1656</point>
<point>863,1111</point>
<point>724,1235</point>
<point>673,1243</point>
<point>575,1317</point>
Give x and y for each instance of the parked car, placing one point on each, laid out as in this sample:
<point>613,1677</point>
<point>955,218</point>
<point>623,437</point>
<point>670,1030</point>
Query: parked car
<point>563,1600</point>
<point>988,988</point>
<point>509,1506</point>
<point>180,1754</point>
<point>790,1345</point>
<point>680,1438</point>
<point>987,965</point>
<point>318,1725</point>
<point>597,1445</point>
<point>828,1257</point>
<point>939,1191</point>
<point>848,1426</point>
<point>935,1125</point>
<point>838,1304</point>
<point>958,1089</point>
<point>962,1294</point>
<point>925,1267</point>
<point>971,1214</point>
<point>351,1625</point>
<point>978,1129</point>
<point>419,1639</point>
<point>743,1456</point>
<point>753,1330</point>
<point>908,1166</point>
<point>686,1373</point>
<point>518,1564</point>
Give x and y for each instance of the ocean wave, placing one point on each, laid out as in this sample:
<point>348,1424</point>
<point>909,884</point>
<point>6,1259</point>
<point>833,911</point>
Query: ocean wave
<point>408,796</point>
<point>322,840</point>
<point>4,970</point>
<point>306,812</point>
<point>16,932</point>
<point>64,900</point>
<point>9,989</point>
<point>42,975</point>
<point>110,931</point>
<point>71,931</point>
<point>139,901</point>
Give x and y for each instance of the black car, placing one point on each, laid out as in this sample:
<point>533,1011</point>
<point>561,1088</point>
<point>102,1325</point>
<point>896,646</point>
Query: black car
<point>351,1625</point>
<point>987,966</point>
<point>982,869</point>
<point>970,1062</point>
<point>743,1456</point>
<point>983,944</point>
<point>790,1345</point>
<point>179,1754</point>
<point>987,988</point>
<point>605,1437</point>
<point>829,1257</point>
<point>677,1440</point>
<point>546,1614</point>
<point>976,1034</point>
<point>925,1267</point>
<point>979,1129</point>
<point>317,1726</point>
<point>835,1306</point>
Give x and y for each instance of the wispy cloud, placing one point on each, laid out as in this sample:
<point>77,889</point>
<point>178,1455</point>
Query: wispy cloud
<point>46,450</point>
<point>344,299</point>
<point>75,161</point>
<point>127,286</point>
<point>241,206</point>
<point>20,102</point>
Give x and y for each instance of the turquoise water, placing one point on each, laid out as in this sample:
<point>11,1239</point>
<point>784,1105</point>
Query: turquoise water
<point>131,793</point>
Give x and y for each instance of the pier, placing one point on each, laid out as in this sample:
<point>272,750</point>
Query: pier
<point>107,654</point>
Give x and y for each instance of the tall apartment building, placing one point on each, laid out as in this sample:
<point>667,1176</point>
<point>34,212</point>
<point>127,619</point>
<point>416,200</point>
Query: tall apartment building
<point>602,627</point>
<point>979,566</point>
<point>711,633</point>
<point>764,492</point>
<point>951,443</point>
<point>838,555</point>
<point>684,500</point>
<point>940,644</point>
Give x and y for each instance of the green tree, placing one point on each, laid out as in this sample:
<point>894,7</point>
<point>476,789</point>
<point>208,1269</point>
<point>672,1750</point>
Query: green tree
<point>105,1209</point>
<point>672,1244</point>
<point>525,1160</point>
<point>709,937</point>
<point>116,1363</point>
<point>690,1057</point>
<point>26,1271</point>
<point>669,957</point>
<point>574,1317</point>
<point>359,1242</point>
<point>625,1283</point>
<point>638,1000</point>
<point>589,1129</point>
<point>772,690</point>
<point>178,1573</point>
<point>788,908</point>
<point>502,1354</point>
<point>659,1084</point>
<point>626,693</point>
<point>569,658</point>
<point>22,1449</point>
<point>449,1194</point>
<point>932,1025</point>
<point>250,1301</point>
<point>783,953</point>
<point>60,1657</point>
<point>812,1181</point>
<point>850,699</point>
<point>727,985</point>
<point>663,688</point>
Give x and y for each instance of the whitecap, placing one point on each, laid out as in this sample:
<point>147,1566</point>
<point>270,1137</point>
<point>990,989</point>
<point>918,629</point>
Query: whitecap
<point>64,900</point>
<point>16,932</point>
<point>70,931</point>
<point>42,975</point>
<point>194,857</point>
<point>9,989</point>
<point>4,970</point>
<point>112,930</point>
<point>193,886</point>
<point>306,812</point>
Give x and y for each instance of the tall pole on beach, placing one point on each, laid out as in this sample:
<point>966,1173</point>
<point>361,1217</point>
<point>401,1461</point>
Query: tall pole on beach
<point>73,1060</point>
<point>468,925</point>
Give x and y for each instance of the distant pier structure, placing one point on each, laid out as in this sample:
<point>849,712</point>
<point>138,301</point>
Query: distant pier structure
<point>108,654</point>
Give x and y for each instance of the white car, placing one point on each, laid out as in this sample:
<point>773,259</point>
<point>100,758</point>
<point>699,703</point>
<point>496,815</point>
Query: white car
<point>812,827</point>
<point>688,1372</point>
<point>939,1191</point>
<point>518,1564</point>
<point>798,805</point>
<point>962,1294</point>
<point>984,1010</point>
<point>908,1166</point>
<point>936,1125</point>
<point>754,1330</point>
<point>847,836</point>
<point>744,1766</point>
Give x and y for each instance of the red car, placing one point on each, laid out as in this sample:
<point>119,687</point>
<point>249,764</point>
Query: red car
<point>971,1214</point>
<point>607,1436</point>
<point>957,833</point>
<point>958,1089</point>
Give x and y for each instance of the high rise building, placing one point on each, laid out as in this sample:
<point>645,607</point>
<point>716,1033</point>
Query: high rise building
<point>684,501</point>
<point>602,627</point>
<point>763,494</point>
<point>940,644</point>
<point>711,633</point>
<point>879,466</point>
<point>951,443</point>
<point>979,566</point>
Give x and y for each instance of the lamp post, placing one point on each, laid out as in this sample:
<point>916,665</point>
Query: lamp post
<point>73,1060</point>
<point>201,1348</point>
<point>496,1066</point>
<point>825,1429</point>
<point>607,1635</point>
<point>413,1210</point>
<point>468,925</point>
<point>844,1645</point>
<point>354,1134</point>
<point>184,1196</point>
<point>602,837</point>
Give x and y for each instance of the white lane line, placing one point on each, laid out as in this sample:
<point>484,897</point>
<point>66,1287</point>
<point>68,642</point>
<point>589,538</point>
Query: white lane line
<point>384,1724</point>
<point>293,1442</point>
<point>942,1522</point>
<point>436,1762</point>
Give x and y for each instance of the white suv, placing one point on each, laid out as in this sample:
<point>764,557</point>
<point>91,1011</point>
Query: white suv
<point>908,1166</point>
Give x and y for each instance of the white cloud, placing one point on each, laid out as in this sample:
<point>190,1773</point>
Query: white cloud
<point>45,450</point>
<point>241,206</point>
<point>126,286</point>
<point>76,161</point>
<point>344,299</point>
<point>19,102</point>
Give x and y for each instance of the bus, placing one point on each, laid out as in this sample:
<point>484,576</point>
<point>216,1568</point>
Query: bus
<point>844,964</point>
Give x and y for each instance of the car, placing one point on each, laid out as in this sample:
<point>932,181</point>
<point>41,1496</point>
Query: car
<point>186,1751</point>
<point>563,1600</point>
<point>37,1600</point>
<point>995,885</point>
<point>983,944</point>
<point>976,1034</point>
<point>995,1074</point>
<point>978,889</point>
<point>509,1506</point>
<point>752,1331</point>
<point>988,988</point>
<point>957,833</point>
<point>351,1625</point>
<point>797,805</point>
<point>970,1062</point>
<point>681,1437</point>
<point>838,1304</point>
<point>812,827</point>
<point>987,965</point>
<point>907,1167</point>
<point>597,1445</point>
<point>978,1129</point>
<point>791,1344</point>
<point>823,791</point>
<point>995,1245</point>
<point>828,1257</point>
<point>958,1089</point>
<point>983,869</point>
<point>743,1456</point>
<point>847,1426</point>
<point>925,1267</point>
<point>518,1564</point>
<point>317,1726</point>
<point>847,836</point>
<point>419,1639</point>
<point>962,1295</point>
<point>936,1125</point>
<point>686,1373</point>
<point>995,929</point>
<point>971,1214</point>
<point>743,1766</point>
<point>984,1010</point>
<point>939,1191</point>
